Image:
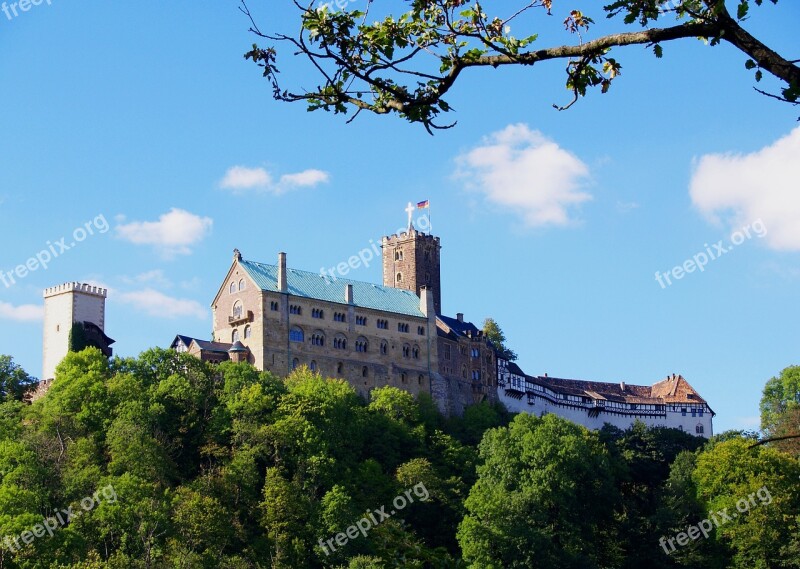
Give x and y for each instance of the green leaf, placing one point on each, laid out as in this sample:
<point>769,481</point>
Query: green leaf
<point>658,50</point>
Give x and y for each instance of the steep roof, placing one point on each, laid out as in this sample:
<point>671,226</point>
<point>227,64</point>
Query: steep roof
<point>459,326</point>
<point>313,285</point>
<point>207,346</point>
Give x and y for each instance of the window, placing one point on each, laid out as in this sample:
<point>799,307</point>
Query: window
<point>313,365</point>
<point>476,375</point>
<point>247,331</point>
<point>399,277</point>
<point>295,309</point>
<point>340,342</point>
<point>415,352</point>
<point>362,345</point>
<point>237,309</point>
<point>464,371</point>
<point>403,377</point>
<point>421,379</point>
<point>420,330</point>
<point>296,334</point>
<point>401,327</point>
<point>383,324</point>
<point>295,363</point>
<point>700,412</point>
<point>339,368</point>
<point>362,321</point>
<point>234,336</point>
<point>317,313</point>
<point>232,288</point>
<point>365,371</point>
<point>241,284</point>
<point>318,338</point>
<point>475,352</point>
<point>694,412</point>
<point>406,350</point>
<point>339,317</point>
<point>384,347</point>
<point>447,351</point>
<point>273,305</point>
<point>699,429</point>
<point>683,411</point>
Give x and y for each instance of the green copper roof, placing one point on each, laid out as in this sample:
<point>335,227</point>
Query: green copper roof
<point>314,285</point>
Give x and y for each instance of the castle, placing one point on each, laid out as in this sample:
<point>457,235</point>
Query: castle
<point>278,318</point>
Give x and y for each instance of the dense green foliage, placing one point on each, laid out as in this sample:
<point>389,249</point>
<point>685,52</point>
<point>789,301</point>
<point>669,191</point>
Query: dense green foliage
<point>495,335</point>
<point>230,467</point>
<point>14,381</point>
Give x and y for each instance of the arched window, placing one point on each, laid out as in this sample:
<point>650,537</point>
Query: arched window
<point>699,429</point>
<point>232,288</point>
<point>406,350</point>
<point>296,334</point>
<point>384,347</point>
<point>403,377</point>
<point>318,338</point>
<point>235,336</point>
<point>399,277</point>
<point>421,379</point>
<point>247,332</point>
<point>313,365</point>
<point>415,352</point>
<point>238,308</point>
<point>361,344</point>
<point>340,342</point>
<point>365,371</point>
<point>295,363</point>
<point>241,284</point>
<point>339,368</point>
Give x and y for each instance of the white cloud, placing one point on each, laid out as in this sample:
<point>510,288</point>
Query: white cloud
<point>22,313</point>
<point>739,189</point>
<point>524,171</point>
<point>158,304</point>
<point>241,178</point>
<point>173,234</point>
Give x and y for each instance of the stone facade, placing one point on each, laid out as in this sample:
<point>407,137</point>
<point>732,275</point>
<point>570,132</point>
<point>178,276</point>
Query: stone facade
<point>412,260</point>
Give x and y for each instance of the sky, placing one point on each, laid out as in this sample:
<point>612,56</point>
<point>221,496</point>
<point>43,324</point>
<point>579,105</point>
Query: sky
<point>137,136</point>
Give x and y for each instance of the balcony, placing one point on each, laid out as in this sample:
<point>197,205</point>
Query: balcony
<point>237,319</point>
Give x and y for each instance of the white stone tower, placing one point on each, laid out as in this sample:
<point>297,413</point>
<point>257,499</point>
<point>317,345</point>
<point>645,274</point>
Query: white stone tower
<point>65,305</point>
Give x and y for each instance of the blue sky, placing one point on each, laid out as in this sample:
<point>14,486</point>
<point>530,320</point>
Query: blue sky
<point>147,117</point>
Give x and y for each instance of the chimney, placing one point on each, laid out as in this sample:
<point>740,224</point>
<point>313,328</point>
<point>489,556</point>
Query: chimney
<point>237,256</point>
<point>622,385</point>
<point>348,294</point>
<point>426,304</point>
<point>282,287</point>
<point>460,316</point>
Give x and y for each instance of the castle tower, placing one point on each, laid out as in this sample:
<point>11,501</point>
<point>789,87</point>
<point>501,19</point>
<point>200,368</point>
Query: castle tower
<point>411,261</point>
<point>64,306</point>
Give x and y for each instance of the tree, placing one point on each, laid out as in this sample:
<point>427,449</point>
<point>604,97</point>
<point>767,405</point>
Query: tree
<point>544,497</point>
<point>781,394</point>
<point>14,381</point>
<point>407,64</point>
<point>495,335</point>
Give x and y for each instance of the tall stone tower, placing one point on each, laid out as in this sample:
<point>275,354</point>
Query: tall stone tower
<point>64,306</point>
<point>411,260</point>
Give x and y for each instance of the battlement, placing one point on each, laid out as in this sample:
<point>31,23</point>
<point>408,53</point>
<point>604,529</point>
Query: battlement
<point>404,235</point>
<point>82,288</point>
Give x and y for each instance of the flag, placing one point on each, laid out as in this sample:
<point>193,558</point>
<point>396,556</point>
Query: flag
<point>423,204</point>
